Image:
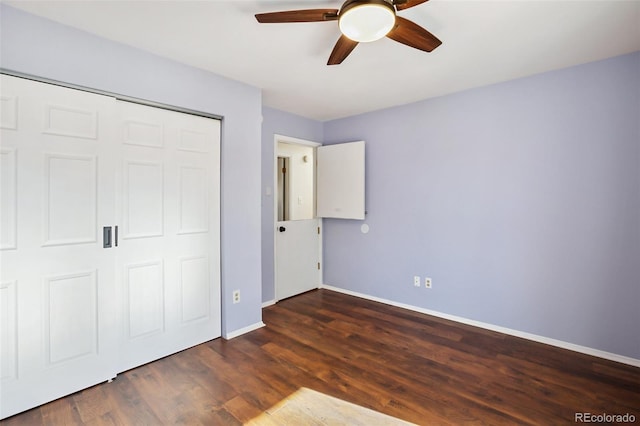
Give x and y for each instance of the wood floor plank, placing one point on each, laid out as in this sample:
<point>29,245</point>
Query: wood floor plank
<point>59,412</point>
<point>165,405</point>
<point>128,405</point>
<point>405,364</point>
<point>92,405</point>
<point>242,409</point>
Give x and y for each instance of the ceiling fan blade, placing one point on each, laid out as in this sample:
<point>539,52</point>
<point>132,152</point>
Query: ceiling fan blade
<point>308,15</point>
<point>406,4</point>
<point>411,34</point>
<point>341,50</point>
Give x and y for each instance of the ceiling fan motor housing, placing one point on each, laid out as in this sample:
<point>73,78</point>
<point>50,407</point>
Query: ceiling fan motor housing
<point>366,20</point>
<point>351,3</point>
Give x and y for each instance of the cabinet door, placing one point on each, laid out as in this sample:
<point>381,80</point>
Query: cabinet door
<point>57,299</point>
<point>169,233</point>
<point>340,181</point>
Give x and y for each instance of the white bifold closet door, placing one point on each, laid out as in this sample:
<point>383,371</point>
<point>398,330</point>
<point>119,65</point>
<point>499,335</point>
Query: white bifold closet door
<point>72,313</point>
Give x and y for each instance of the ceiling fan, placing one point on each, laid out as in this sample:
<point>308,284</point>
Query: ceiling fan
<point>362,21</point>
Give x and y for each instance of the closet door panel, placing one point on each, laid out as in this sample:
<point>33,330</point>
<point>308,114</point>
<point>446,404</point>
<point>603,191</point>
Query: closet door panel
<point>143,199</point>
<point>169,253</point>
<point>57,299</point>
<point>8,202</point>
<point>70,199</point>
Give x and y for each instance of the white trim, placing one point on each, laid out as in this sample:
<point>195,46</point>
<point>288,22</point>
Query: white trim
<point>295,141</point>
<point>268,303</point>
<point>522,334</point>
<point>244,330</point>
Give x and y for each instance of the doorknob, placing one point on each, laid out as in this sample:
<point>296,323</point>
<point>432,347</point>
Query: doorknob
<point>282,229</point>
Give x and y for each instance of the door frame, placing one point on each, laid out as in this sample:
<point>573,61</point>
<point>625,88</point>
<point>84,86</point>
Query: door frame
<point>277,138</point>
<point>286,208</point>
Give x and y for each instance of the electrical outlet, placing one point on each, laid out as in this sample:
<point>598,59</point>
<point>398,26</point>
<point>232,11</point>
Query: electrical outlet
<point>236,296</point>
<point>416,281</point>
<point>427,282</point>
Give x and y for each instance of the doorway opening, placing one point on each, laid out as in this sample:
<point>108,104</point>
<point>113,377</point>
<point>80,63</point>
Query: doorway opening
<point>296,181</point>
<point>297,239</point>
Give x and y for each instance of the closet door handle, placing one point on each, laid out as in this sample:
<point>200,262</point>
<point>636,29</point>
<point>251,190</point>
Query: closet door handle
<point>106,237</point>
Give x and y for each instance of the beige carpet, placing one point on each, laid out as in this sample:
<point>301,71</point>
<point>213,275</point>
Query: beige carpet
<point>308,407</point>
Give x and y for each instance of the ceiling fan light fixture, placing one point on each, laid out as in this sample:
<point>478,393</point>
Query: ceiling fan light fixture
<point>365,21</point>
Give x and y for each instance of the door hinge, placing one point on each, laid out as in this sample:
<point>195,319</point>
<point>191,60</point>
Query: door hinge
<point>318,266</point>
<point>318,230</point>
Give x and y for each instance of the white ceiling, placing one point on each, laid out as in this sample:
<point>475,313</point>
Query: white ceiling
<point>484,42</point>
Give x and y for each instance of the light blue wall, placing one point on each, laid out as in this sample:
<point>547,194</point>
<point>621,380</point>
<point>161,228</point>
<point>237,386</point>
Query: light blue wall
<point>285,124</point>
<point>521,200</point>
<point>43,48</point>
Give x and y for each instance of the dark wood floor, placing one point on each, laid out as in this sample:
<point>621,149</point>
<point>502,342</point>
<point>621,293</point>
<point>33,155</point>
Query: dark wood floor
<point>412,366</point>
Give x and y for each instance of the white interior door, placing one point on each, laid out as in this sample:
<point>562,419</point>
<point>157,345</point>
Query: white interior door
<point>337,184</point>
<point>169,238</point>
<point>341,181</point>
<point>57,298</point>
<point>297,233</point>
<point>297,257</point>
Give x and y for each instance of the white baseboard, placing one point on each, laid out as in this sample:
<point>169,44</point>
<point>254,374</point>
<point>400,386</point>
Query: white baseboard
<point>540,339</point>
<point>236,333</point>
<point>269,303</point>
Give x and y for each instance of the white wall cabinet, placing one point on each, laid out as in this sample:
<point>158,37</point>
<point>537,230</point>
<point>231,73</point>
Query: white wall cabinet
<point>72,313</point>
